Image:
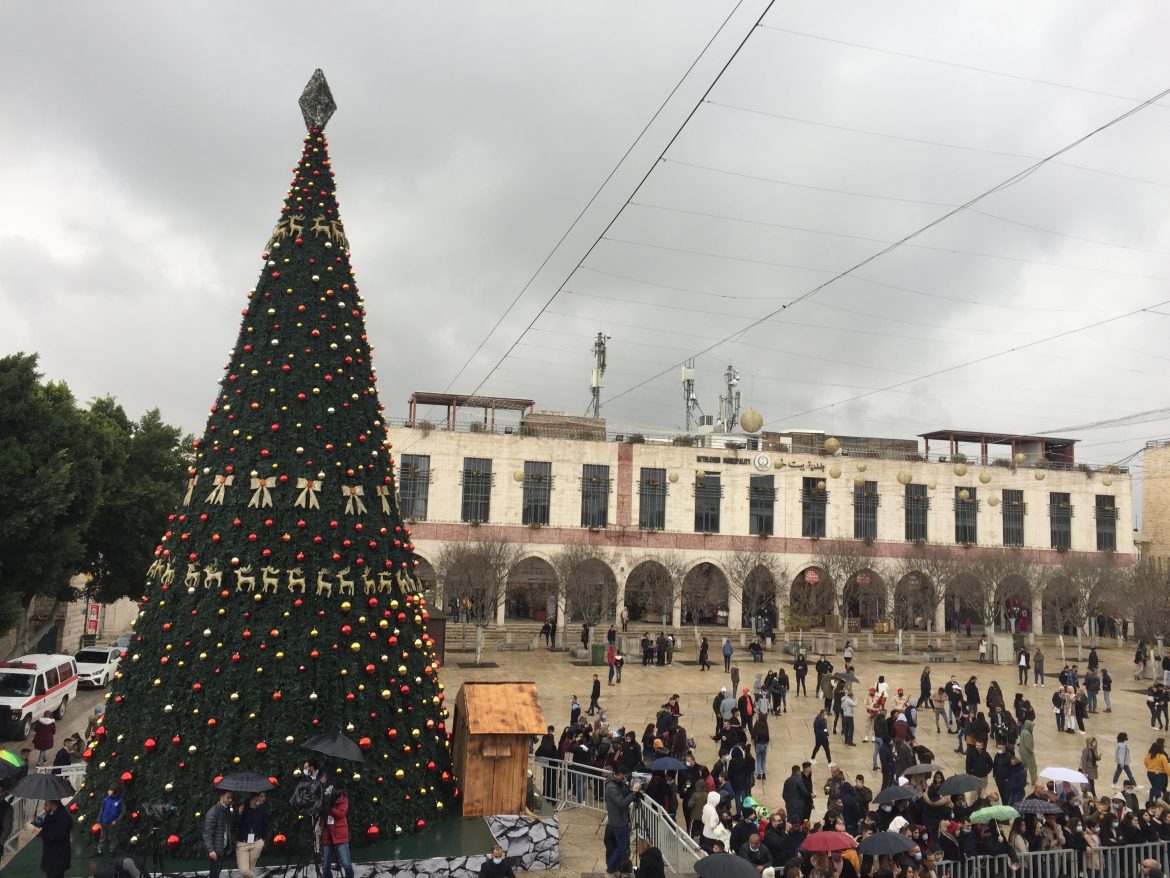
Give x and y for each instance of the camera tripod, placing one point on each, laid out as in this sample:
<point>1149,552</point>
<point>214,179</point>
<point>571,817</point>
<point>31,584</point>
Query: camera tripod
<point>154,848</point>
<point>308,833</point>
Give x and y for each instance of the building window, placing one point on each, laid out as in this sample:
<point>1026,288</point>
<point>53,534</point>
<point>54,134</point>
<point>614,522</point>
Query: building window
<point>917,503</point>
<point>865,507</point>
<point>1013,518</point>
<point>761,505</point>
<point>652,499</point>
<point>594,495</point>
<point>814,499</point>
<point>414,485</point>
<point>477,489</point>
<point>966,505</point>
<point>537,488</point>
<point>1060,519</point>
<point>708,492</point>
<point>1106,511</point>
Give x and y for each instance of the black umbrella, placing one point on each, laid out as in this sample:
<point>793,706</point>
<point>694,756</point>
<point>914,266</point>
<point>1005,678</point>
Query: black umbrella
<point>335,744</point>
<point>245,782</point>
<point>895,794</point>
<point>847,676</point>
<point>885,843</point>
<point>1037,806</point>
<point>959,784</point>
<point>725,866</point>
<point>667,763</point>
<point>43,786</point>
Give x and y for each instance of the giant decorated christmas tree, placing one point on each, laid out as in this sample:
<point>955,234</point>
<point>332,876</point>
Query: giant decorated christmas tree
<point>282,602</point>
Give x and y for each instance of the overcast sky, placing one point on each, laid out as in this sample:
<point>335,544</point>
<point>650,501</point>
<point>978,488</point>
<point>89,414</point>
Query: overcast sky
<point>148,147</point>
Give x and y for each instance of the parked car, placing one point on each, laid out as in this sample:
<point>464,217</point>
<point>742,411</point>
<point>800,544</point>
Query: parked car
<point>96,665</point>
<point>123,642</point>
<point>29,686</point>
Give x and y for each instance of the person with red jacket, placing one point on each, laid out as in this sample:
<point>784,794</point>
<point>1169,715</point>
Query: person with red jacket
<point>335,832</point>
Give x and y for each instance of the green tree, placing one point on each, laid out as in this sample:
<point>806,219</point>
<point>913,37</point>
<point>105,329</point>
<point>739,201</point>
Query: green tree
<point>282,599</point>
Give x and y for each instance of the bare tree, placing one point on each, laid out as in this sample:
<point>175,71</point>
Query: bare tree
<point>587,588</point>
<point>658,583</point>
<point>987,572</point>
<point>702,588</point>
<point>1147,589</point>
<point>941,566</point>
<point>1093,579</point>
<point>753,575</point>
<point>474,577</point>
<point>840,560</point>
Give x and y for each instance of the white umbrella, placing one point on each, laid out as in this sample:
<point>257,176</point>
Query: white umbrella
<point>1064,774</point>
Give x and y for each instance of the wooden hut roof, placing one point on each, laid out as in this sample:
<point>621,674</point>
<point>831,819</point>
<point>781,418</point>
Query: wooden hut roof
<point>503,709</point>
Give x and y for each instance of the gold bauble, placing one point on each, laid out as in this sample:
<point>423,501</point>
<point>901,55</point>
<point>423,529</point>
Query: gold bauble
<point>1039,474</point>
<point>993,501</point>
<point>834,472</point>
<point>985,478</point>
<point>751,421</point>
<point>964,495</point>
<point>960,469</point>
<point>904,477</point>
<point>832,445</point>
<point>518,475</point>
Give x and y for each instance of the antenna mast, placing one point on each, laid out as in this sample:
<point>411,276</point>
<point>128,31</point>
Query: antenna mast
<point>729,404</point>
<point>599,356</point>
<point>690,401</point>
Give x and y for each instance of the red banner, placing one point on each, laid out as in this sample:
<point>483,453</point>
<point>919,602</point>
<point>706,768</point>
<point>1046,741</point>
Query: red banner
<point>93,616</point>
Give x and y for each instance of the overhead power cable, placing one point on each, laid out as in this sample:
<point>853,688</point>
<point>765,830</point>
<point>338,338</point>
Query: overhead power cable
<point>1010,181</point>
<point>1145,417</point>
<point>592,199</point>
<point>638,187</point>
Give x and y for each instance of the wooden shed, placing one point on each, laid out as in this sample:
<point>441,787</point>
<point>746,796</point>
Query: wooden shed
<point>494,725</point>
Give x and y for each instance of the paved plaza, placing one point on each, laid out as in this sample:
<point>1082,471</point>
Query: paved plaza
<point>558,676</point>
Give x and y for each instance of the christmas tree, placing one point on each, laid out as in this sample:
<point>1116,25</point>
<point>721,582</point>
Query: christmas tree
<point>282,600</point>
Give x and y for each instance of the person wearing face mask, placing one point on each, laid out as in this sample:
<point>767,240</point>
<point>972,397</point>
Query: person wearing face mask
<point>1092,858</point>
<point>968,840</point>
<point>496,866</point>
<point>1001,770</point>
<point>948,841</point>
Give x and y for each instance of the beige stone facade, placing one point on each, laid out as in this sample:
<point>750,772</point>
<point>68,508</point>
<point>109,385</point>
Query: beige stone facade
<point>627,536</point>
<point>1156,500</point>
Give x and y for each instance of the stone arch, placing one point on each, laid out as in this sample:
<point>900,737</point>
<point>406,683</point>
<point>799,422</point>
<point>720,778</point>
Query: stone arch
<point>864,597</point>
<point>913,601</point>
<point>1061,604</point>
<point>532,590</point>
<point>429,579</point>
<point>1014,605</point>
<point>591,593</point>
<point>650,593</point>
<point>964,601</point>
<point>705,592</point>
<point>810,599</point>
<point>760,589</point>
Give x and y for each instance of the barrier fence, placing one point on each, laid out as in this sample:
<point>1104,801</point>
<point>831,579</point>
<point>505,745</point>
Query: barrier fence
<point>568,785</point>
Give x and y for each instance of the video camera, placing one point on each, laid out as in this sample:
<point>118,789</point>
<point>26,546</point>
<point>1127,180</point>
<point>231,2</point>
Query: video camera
<point>159,812</point>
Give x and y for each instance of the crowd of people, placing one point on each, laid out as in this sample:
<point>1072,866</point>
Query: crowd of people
<point>718,801</point>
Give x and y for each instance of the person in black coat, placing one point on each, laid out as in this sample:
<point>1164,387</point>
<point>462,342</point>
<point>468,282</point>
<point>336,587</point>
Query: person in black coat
<point>56,849</point>
<point>651,864</point>
<point>496,865</point>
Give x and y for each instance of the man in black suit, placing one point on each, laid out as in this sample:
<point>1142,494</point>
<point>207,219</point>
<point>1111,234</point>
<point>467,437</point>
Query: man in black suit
<point>56,850</point>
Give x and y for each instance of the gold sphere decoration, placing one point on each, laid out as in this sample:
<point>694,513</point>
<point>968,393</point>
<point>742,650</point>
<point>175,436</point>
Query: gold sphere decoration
<point>835,472</point>
<point>1020,458</point>
<point>930,486</point>
<point>862,467</point>
<point>1039,474</point>
<point>518,475</point>
<point>859,481</point>
<point>904,477</point>
<point>672,478</point>
<point>993,501</point>
<point>821,485</point>
<point>1107,481</point>
<point>985,478</point>
<point>832,445</point>
<point>964,495</point>
<point>751,421</point>
<point>960,469</point>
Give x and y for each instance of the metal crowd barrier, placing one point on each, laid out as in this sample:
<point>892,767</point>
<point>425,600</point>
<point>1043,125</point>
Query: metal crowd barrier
<point>567,785</point>
<point>1116,862</point>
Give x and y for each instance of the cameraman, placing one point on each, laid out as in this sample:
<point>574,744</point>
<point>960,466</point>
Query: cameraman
<point>619,795</point>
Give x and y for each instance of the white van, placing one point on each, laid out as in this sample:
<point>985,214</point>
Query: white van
<point>29,686</point>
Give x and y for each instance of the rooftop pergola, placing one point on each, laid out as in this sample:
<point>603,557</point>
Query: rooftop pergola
<point>1048,448</point>
<point>455,401</point>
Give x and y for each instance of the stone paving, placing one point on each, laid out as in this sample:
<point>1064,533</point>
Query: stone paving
<point>634,702</point>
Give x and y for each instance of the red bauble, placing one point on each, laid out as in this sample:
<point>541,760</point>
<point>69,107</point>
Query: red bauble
<point>391,734</point>
<point>197,687</point>
<point>365,744</point>
<point>95,830</point>
<point>126,777</point>
<point>420,824</point>
<point>261,747</point>
<point>276,696</point>
<point>173,842</point>
<point>150,744</point>
<point>176,740</point>
<point>372,833</point>
<point>100,731</point>
<point>87,754</point>
<point>279,841</point>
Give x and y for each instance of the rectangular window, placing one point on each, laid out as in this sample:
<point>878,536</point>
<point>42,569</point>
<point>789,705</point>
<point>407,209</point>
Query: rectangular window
<point>761,505</point>
<point>1060,513</point>
<point>652,499</point>
<point>414,485</point>
<point>917,503</point>
<point>1106,511</point>
<point>708,492</point>
<point>966,505</point>
<point>865,507</point>
<point>537,488</point>
<point>1013,518</point>
<point>477,489</point>
<point>814,500</point>
<point>594,495</point>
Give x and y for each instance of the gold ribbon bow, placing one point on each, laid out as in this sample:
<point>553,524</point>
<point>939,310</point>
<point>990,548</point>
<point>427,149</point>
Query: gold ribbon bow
<point>383,491</point>
<point>309,489</point>
<point>260,492</point>
<point>353,496</point>
<point>190,490</point>
<point>222,483</point>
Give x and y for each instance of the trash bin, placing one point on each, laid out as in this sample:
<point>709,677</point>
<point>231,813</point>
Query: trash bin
<point>598,654</point>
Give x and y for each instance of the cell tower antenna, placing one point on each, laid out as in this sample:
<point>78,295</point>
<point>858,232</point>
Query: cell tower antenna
<point>729,404</point>
<point>599,360</point>
<point>690,401</point>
